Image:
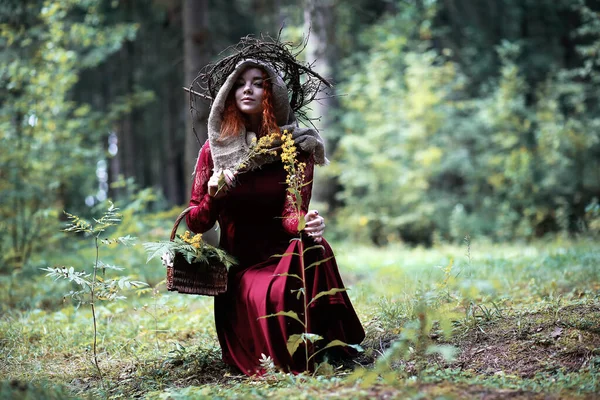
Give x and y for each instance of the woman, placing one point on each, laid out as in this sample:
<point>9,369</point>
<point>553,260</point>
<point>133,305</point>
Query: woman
<point>258,218</point>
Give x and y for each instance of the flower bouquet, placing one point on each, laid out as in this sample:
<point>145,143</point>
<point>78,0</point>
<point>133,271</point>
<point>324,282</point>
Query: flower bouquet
<point>261,151</point>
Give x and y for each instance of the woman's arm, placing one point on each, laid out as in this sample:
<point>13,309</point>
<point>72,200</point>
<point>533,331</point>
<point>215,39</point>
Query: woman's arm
<point>204,215</point>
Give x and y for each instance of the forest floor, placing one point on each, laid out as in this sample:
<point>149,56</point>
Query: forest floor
<point>478,321</point>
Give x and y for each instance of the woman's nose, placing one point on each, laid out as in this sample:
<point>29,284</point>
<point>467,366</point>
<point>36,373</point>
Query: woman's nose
<point>247,88</point>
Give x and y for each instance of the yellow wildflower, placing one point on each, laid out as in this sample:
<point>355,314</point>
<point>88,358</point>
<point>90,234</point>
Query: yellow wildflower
<point>195,241</point>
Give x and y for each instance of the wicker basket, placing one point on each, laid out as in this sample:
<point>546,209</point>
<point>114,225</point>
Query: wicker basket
<point>195,278</point>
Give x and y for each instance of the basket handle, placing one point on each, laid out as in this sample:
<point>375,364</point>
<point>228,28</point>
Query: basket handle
<point>178,220</point>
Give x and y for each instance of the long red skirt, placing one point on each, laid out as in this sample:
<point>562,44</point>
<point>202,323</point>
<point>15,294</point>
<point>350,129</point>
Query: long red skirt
<point>260,290</point>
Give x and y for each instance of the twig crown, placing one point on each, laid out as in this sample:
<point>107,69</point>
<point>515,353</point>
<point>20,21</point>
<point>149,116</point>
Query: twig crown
<point>303,83</point>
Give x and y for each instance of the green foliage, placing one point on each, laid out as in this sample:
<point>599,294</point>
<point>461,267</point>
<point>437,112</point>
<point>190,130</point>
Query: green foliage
<point>430,151</point>
<point>390,149</point>
<point>47,138</point>
<point>193,249</point>
<point>17,390</point>
<point>167,345</point>
<point>95,286</point>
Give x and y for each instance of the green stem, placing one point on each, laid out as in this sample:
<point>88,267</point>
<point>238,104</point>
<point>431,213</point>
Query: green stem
<point>92,303</point>
<point>305,297</point>
<point>155,293</point>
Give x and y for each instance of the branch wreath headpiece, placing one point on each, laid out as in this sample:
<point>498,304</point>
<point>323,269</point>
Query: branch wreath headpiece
<point>303,83</point>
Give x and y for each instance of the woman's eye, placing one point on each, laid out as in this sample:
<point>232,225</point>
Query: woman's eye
<point>258,84</point>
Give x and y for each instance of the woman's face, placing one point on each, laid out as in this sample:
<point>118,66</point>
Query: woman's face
<point>249,91</point>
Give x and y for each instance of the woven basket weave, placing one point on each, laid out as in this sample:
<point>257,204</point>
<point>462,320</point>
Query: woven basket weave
<point>207,279</point>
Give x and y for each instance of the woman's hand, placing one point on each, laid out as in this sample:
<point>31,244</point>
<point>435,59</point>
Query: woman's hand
<point>315,225</point>
<point>220,182</point>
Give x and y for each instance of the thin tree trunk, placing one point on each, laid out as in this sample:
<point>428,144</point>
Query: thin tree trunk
<point>171,142</point>
<point>125,134</point>
<point>322,50</point>
<point>174,135</point>
<point>17,177</point>
<point>196,55</point>
<point>107,72</point>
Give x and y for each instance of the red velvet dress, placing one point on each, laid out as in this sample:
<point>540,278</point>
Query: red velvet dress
<point>257,220</point>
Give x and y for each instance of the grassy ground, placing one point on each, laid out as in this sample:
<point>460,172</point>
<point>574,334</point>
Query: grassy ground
<point>471,321</point>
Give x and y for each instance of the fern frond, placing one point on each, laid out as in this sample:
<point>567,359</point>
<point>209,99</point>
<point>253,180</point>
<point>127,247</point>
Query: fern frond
<point>157,249</point>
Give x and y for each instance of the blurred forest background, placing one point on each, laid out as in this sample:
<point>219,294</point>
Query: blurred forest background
<point>448,117</point>
<point>462,198</point>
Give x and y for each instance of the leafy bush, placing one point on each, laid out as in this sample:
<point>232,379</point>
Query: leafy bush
<point>47,138</point>
<point>428,152</point>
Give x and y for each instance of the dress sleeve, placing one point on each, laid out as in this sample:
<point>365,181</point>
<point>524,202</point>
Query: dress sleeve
<point>290,213</point>
<point>201,218</point>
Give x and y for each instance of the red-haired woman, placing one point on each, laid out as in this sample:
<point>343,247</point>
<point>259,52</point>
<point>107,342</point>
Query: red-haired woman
<point>258,218</point>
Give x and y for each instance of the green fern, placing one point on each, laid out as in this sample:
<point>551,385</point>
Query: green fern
<point>205,253</point>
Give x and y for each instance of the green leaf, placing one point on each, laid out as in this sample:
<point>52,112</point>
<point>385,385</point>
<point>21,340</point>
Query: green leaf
<point>102,265</point>
<point>124,240</point>
<point>295,340</point>
<point>285,254</point>
<point>318,246</point>
<point>318,262</point>
<point>123,284</point>
<point>77,224</point>
<point>144,290</point>
<point>157,249</point>
<point>312,337</point>
<point>448,352</point>
<point>306,183</point>
<point>290,314</point>
<point>301,223</point>
<point>189,257</point>
<point>327,293</point>
<point>298,198</point>
<point>293,343</point>
<point>335,343</point>
<point>290,275</point>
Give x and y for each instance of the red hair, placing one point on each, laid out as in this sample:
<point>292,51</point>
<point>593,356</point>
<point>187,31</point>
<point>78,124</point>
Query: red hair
<point>234,120</point>
<point>269,122</point>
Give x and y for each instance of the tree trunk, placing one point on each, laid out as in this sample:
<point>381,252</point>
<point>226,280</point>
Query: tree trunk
<point>125,134</point>
<point>172,144</point>
<point>322,50</point>
<point>196,56</point>
<point>126,129</point>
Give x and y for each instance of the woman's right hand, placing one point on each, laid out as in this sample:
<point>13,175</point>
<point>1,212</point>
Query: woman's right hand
<point>220,182</point>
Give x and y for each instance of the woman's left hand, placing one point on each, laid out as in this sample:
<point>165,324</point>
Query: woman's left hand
<point>315,225</point>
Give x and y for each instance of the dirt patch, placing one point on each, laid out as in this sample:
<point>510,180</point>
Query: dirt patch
<point>562,339</point>
<point>483,393</point>
<point>443,391</point>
